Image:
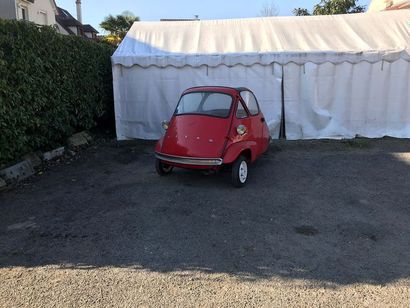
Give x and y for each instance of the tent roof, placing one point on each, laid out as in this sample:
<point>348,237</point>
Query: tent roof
<point>353,38</point>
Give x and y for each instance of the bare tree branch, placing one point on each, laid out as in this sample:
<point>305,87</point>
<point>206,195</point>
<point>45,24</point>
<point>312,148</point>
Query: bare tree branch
<point>269,9</point>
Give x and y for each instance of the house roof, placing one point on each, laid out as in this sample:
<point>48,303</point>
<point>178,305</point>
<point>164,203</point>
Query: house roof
<point>179,19</point>
<point>89,28</point>
<point>64,18</point>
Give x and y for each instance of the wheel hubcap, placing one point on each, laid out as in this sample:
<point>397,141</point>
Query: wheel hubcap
<point>243,172</point>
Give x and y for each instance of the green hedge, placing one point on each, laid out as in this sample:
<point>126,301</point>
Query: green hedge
<point>51,86</point>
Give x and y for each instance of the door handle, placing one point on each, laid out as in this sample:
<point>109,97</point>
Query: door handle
<point>262,120</point>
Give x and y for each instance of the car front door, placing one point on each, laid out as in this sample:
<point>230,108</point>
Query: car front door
<point>257,120</point>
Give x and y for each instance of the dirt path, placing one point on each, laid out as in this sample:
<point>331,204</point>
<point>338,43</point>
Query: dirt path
<point>320,223</point>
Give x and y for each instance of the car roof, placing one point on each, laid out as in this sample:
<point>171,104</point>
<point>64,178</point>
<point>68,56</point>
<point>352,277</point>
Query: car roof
<point>220,89</point>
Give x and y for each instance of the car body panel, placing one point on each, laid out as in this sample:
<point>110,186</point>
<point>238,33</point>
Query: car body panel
<point>196,136</point>
<point>235,149</point>
<point>192,138</point>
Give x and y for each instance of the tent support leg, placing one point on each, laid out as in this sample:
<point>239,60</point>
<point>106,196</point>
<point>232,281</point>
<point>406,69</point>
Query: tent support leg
<point>282,132</point>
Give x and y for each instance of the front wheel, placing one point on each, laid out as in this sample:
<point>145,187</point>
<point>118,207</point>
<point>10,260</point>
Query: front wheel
<point>162,169</point>
<point>240,172</point>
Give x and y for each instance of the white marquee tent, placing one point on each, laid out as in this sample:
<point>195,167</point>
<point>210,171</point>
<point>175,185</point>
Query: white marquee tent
<point>341,75</point>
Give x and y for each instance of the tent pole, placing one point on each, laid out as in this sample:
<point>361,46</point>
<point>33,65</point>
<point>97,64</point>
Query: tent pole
<point>282,132</point>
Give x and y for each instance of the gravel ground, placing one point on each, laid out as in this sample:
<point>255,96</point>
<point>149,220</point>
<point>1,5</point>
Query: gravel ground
<point>323,223</point>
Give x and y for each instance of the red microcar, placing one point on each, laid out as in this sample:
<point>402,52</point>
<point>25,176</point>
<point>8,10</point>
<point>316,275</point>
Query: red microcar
<point>212,127</point>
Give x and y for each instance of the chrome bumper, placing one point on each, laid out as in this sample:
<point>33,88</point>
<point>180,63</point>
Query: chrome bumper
<point>189,160</point>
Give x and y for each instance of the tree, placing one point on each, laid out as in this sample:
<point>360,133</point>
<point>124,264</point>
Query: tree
<point>301,12</point>
<point>331,7</point>
<point>269,9</point>
<point>118,26</point>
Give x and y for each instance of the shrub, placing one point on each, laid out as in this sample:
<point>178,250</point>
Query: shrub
<point>51,86</point>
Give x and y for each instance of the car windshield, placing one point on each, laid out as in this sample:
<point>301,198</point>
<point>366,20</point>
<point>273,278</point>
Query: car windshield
<point>205,103</point>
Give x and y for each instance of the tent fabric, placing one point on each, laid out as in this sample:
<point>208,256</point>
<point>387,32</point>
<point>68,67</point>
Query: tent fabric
<point>342,75</point>
<point>352,38</point>
<point>321,100</point>
<point>347,100</point>
<point>144,97</point>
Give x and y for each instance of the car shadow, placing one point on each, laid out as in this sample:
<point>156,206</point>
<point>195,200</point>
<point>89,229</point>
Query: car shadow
<point>323,212</point>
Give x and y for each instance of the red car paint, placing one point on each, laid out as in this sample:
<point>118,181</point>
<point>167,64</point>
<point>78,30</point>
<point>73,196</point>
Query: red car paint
<point>198,136</point>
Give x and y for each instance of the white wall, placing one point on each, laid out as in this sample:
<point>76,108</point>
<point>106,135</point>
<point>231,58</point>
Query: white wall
<point>381,5</point>
<point>74,29</point>
<point>40,12</point>
<point>62,30</point>
<point>7,9</point>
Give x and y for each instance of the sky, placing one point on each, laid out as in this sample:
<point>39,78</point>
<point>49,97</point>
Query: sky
<point>94,11</point>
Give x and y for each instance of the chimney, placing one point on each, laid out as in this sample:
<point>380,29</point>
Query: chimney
<point>79,15</point>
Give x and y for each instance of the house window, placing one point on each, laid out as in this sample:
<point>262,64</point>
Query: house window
<point>24,12</point>
<point>43,18</point>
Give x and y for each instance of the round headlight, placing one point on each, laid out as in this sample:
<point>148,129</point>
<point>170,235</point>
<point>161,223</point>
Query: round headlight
<point>241,129</point>
<point>165,125</point>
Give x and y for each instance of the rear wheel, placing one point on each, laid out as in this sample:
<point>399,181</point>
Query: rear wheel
<point>162,169</point>
<point>240,172</point>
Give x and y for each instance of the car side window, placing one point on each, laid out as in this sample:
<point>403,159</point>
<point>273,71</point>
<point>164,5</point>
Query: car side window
<point>250,102</point>
<point>241,111</point>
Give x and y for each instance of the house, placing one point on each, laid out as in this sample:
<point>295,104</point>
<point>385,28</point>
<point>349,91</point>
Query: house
<point>181,19</point>
<point>41,12</point>
<point>46,13</point>
<point>68,25</point>
<point>388,5</point>
<point>90,32</point>
<point>178,19</point>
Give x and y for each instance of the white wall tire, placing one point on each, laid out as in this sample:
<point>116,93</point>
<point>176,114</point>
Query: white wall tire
<point>240,172</point>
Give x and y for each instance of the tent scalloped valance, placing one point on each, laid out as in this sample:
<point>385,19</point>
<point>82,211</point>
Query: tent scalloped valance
<point>264,59</point>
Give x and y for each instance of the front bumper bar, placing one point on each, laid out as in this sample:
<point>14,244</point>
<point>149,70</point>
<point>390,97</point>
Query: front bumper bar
<point>189,160</point>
